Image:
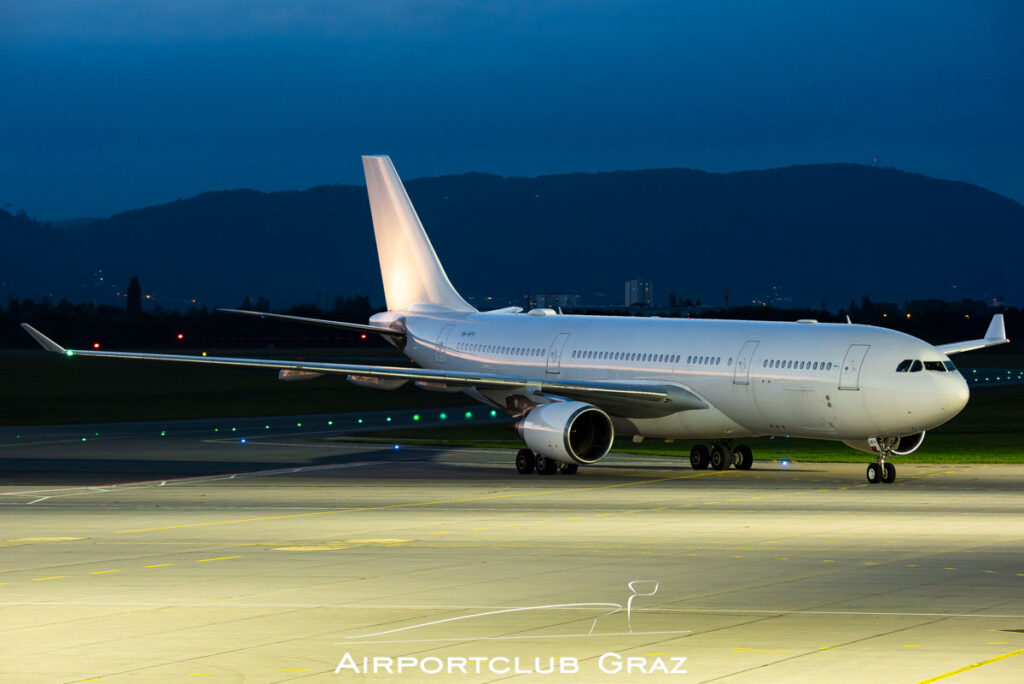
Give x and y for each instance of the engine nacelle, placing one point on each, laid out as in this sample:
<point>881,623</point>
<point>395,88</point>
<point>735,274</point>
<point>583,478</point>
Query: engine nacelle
<point>568,431</point>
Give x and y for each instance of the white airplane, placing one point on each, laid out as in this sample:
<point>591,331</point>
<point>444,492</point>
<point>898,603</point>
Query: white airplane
<point>573,382</point>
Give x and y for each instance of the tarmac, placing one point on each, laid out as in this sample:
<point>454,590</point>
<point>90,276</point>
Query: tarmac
<point>175,552</point>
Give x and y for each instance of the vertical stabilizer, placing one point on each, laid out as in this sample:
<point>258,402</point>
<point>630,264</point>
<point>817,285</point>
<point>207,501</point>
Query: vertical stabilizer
<point>408,264</point>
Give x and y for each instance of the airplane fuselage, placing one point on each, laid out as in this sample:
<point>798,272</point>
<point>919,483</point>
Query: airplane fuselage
<point>816,380</point>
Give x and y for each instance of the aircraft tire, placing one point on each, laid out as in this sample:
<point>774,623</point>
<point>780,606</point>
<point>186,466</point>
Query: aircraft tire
<point>889,476</point>
<point>743,457</point>
<point>699,458</point>
<point>545,465</point>
<point>568,468</point>
<point>721,457</point>
<point>524,461</point>
<point>874,473</point>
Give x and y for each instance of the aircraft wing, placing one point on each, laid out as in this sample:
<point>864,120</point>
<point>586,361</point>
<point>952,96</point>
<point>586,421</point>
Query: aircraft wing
<point>627,399</point>
<point>996,334</point>
<point>380,330</point>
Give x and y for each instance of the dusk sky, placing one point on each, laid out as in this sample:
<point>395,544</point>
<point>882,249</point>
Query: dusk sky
<point>112,105</point>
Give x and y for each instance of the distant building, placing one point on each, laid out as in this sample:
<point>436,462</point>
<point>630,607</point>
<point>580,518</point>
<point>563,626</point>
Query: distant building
<point>565,300</point>
<point>639,292</point>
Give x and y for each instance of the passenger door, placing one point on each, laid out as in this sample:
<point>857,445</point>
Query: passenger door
<point>440,356</point>
<point>555,353</point>
<point>741,375</point>
<point>849,378</point>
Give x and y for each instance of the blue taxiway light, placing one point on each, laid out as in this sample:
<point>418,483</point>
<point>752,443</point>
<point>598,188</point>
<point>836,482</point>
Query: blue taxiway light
<point>784,463</point>
<point>243,440</point>
<point>396,446</point>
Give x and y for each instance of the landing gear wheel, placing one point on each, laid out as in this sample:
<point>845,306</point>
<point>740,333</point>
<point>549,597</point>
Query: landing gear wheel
<point>889,476</point>
<point>545,465</point>
<point>568,468</point>
<point>874,473</point>
<point>721,457</point>
<point>742,457</point>
<point>699,457</point>
<point>524,461</point>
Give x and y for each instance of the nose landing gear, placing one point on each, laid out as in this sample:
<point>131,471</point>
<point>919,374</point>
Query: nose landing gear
<point>880,471</point>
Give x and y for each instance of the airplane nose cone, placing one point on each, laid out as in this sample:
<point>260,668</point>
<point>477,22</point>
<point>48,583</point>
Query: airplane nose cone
<point>956,394</point>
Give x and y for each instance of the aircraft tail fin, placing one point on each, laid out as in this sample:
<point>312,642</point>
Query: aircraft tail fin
<point>409,266</point>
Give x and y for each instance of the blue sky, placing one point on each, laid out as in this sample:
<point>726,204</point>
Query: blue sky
<point>111,105</point>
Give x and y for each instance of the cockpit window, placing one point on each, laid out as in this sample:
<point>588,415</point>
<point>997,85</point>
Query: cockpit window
<point>904,366</point>
<point>949,365</point>
<point>934,366</point>
<point>915,366</point>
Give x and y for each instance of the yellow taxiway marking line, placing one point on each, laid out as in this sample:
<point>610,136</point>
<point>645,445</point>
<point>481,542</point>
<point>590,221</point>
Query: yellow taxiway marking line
<point>911,645</point>
<point>477,529</point>
<point>207,560</point>
<point>159,565</point>
<point>43,579</point>
<point>439,533</point>
<point>419,504</point>
<point>103,572</point>
<point>971,667</point>
<point>575,517</point>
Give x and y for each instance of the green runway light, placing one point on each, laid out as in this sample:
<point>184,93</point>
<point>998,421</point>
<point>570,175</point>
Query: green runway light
<point>298,425</point>
<point>469,414</point>
<point>83,439</point>
<point>444,416</point>
<point>494,414</point>
<point>68,352</point>
<point>96,434</point>
<point>330,422</point>
<point>163,433</point>
<point>360,421</point>
<point>389,419</point>
<point>234,429</point>
<point>266,427</point>
<point>216,429</point>
<point>415,416</point>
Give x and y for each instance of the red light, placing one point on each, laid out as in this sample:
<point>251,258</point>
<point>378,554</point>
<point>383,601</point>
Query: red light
<point>95,345</point>
<point>181,336</point>
<point>363,336</point>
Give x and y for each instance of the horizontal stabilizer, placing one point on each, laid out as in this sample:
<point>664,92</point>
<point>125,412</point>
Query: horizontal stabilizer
<point>995,335</point>
<point>320,321</point>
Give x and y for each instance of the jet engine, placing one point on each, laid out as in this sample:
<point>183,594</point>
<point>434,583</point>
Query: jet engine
<point>568,431</point>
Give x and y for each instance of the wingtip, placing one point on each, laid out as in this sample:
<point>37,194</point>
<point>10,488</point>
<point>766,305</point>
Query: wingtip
<point>44,341</point>
<point>996,329</point>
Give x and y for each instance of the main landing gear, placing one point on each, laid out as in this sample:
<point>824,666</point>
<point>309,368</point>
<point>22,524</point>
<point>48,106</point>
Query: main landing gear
<point>721,456</point>
<point>880,471</point>
<point>527,462</point>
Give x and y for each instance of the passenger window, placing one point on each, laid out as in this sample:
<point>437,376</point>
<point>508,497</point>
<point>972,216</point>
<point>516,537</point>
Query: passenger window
<point>904,366</point>
<point>915,366</point>
<point>829,366</point>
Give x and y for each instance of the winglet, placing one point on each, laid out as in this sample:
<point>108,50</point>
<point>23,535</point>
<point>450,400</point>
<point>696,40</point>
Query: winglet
<point>996,329</point>
<point>44,341</point>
